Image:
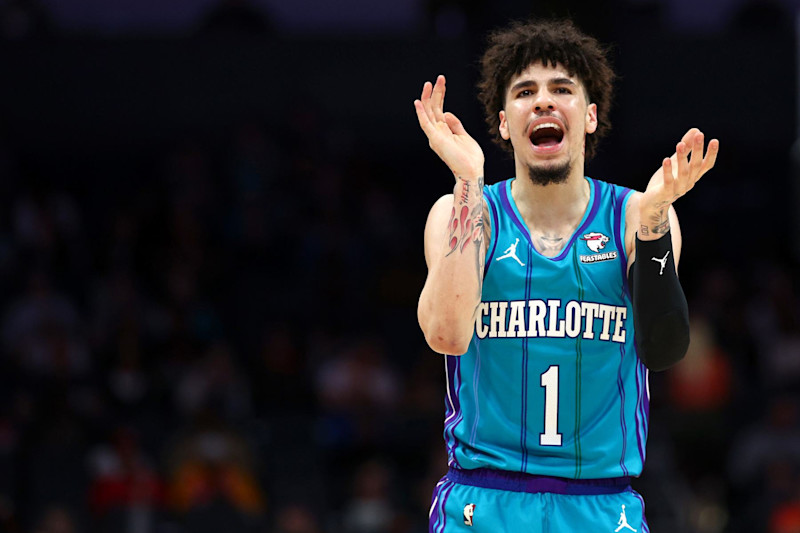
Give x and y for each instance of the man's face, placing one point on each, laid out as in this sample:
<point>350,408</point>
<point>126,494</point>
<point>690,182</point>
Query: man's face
<point>547,117</point>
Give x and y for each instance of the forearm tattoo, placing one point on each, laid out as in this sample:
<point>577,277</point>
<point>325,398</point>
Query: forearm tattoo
<point>659,223</point>
<point>466,223</point>
<point>466,218</point>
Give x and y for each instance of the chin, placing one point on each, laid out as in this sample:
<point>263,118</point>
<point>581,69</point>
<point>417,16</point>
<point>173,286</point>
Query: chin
<point>551,173</point>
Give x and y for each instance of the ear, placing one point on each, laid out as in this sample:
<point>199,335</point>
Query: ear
<point>504,126</point>
<point>591,118</point>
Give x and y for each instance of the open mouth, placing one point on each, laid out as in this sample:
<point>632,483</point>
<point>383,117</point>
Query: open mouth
<point>547,135</point>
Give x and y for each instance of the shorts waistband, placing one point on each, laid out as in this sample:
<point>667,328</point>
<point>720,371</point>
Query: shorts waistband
<point>489,478</point>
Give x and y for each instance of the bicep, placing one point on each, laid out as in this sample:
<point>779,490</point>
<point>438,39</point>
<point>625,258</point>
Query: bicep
<point>440,219</point>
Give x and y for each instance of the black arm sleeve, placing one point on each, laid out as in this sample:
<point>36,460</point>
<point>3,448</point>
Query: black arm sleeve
<point>660,311</point>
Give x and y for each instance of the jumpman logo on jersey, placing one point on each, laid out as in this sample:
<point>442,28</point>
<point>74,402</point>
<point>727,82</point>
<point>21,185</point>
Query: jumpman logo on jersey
<point>662,262</point>
<point>623,521</point>
<point>511,251</point>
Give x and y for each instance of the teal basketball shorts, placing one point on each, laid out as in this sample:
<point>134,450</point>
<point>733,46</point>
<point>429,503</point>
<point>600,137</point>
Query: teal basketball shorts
<point>494,501</point>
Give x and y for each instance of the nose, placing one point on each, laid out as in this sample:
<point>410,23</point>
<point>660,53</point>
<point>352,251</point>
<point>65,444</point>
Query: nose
<point>544,102</point>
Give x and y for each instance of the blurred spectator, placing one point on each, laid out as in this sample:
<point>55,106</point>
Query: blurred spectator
<point>56,520</point>
<point>358,390</point>
<point>776,437</point>
<point>214,381</point>
<point>701,383</point>
<point>212,477</point>
<point>282,384</point>
<point>786,518</point>
<point>370,508</point>
<point>126,494</point>
<point>44,332</point>
<point>775,322</point>
<point>296,518</point>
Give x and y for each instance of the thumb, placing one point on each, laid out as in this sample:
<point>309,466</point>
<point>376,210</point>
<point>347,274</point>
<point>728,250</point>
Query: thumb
<point>454,124</point>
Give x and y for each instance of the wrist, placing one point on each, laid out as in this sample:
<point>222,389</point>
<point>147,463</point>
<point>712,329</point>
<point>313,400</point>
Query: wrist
<point>472,175</point>
<point>468,191</point>
<point>653,223</point>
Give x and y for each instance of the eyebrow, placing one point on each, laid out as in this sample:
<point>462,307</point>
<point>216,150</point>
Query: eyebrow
<point>553,81</point>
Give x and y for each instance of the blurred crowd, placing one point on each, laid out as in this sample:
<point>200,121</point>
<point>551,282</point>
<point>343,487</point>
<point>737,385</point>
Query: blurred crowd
<point>228,343</point>
<point>220,336</point>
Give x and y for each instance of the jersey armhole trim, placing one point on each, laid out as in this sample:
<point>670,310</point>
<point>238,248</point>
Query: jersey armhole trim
<point>493,230</point>
<point>620,202</point>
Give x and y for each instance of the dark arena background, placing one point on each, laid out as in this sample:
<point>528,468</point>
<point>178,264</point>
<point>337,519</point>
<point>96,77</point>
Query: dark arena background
<point>211,219</point>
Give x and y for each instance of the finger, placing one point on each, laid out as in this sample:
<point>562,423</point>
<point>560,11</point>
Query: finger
<point>438,98</point>
<point>711,156</point>
<point>423,118</point>
<point>683,167</point>
<point>669,178</point>
<point>689,136</point>
<point>427,87</point>
<point>455,124</point>
<point>427,90</point>
<point>696,163</point>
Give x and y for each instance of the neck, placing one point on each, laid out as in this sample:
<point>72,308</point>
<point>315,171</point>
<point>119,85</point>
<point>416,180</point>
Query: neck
<point>553,206</point>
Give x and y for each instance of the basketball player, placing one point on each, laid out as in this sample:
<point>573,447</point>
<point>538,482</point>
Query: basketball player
<point>551,294</point>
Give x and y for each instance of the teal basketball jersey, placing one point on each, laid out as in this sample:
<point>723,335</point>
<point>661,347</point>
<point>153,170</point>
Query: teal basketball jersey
<point>551,384</point>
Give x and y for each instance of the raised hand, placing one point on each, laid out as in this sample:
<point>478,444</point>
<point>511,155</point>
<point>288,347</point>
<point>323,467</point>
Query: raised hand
<point>446,135</point>
<point>677,176</point>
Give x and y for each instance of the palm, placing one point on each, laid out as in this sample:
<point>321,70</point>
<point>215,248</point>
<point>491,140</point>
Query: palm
<point>679,174</point>
<point>446,135</point>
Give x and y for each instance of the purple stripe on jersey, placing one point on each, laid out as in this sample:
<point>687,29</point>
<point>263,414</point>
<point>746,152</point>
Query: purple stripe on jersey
<point>454,415</point>
<point>619,203</point>
<point>524,428</point>
<point>475,380</point>
<point>638,407</point>
<point>495,231</point>
<point>445,496</point>
<point>489,478</point>
<point>621,388</point>
<point>646,381</point>
<point>645,525</point>
<point>433,514</point>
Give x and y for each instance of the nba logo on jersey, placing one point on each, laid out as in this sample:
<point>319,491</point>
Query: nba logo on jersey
<point>469,510</point>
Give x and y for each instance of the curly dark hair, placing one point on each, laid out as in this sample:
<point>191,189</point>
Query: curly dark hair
<point>552,42</point>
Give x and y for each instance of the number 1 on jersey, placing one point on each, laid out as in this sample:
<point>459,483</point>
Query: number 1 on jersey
<point>551,436</point>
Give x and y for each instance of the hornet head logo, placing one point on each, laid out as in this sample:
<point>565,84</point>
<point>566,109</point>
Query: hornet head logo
<point>595,241</point>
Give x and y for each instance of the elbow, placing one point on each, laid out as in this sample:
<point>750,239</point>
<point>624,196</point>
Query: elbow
<point>445,333</point>
<point>659,360</point>
<point>446,341</point>
<point>665,347</point>
<point>448,346</point>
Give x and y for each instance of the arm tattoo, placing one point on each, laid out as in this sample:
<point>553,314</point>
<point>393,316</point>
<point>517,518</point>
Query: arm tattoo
<point>659,224</point>
<point>466,221</point>
<point>467,224</point>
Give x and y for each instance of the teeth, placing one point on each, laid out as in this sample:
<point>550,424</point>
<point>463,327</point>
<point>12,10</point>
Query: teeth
<point>546,125</point>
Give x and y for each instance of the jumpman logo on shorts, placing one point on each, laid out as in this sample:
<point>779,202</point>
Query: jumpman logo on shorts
<point>511,251</point>
<point>623,521</point>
